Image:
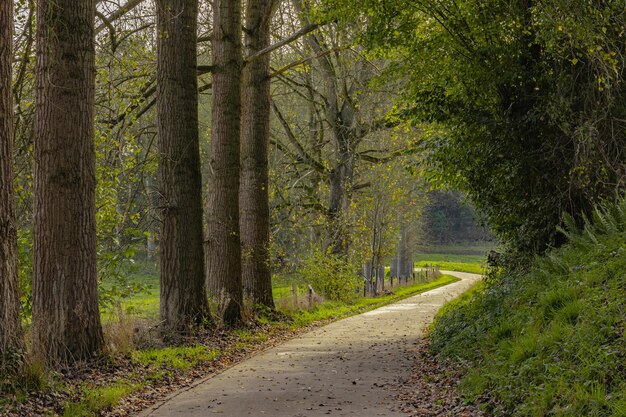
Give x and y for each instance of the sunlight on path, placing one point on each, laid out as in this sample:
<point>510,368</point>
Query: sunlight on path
<point>348,368</point>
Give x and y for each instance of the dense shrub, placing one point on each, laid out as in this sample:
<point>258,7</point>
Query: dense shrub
<point>551,341</point>
<point>331,276</point>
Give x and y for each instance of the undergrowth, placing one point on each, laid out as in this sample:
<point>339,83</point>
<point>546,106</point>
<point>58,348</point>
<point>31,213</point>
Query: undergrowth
<point>550,341</point>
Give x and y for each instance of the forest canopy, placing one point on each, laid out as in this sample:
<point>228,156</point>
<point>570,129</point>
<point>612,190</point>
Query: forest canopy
<point>524,101</point>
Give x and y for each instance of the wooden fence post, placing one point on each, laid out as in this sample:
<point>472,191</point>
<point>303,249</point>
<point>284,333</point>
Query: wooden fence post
<point>311,292</point>
<point>294,290</point>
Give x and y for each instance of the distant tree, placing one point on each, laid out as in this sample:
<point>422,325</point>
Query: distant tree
<point>183,290</point>
<point>448,218</point>
<point>223,244</point>
<point>255,135</point>
<point>337,125</point>
<point>66,319</point>
<point>10,325</point>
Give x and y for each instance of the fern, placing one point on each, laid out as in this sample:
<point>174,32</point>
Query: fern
<point>606,218</point>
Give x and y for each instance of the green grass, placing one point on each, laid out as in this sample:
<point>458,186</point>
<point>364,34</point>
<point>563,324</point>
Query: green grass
<point>473,268</point>
<point>282,284</point>
<point>550,341</point>
<point>177,357</point>
<point>144,273</point>
<point>333,309</point>
<point>145,304</point>
<point>95,400</point>
<point>461,258</point>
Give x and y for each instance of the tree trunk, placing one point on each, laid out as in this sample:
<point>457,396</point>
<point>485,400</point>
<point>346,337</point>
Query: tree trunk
<point>223,245</point>
<point>341,177</point>
<point>66,319</point>
<point>183,292</point>
<point>255,132</point>
<point>154,216</point>
<point>10,326</point>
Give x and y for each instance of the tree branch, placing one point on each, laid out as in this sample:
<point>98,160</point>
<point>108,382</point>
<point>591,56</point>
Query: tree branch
<point>302,32</point>
<point>316,165</point>
<point>130,5</point>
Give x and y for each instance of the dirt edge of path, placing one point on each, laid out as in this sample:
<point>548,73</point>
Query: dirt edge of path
<point>432,389</point>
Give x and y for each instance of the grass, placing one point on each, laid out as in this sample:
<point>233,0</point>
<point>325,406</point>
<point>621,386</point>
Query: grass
<point>550,341</point>
<point>177,357</point>
<point>144,273</point>
<point>330,310</point>
<point>145,304</point>
<point>461,258</point>
<point>282,284</point>
<point>449,257</point>
<point>474,268</point>
<point>97,399</point>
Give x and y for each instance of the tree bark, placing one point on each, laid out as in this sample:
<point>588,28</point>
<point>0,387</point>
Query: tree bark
<point>183,292</point>
<point>255,132</point>
<point>10,326</point>
<point>340,178</point>
<point>66,319</point>
<point>223,245</point>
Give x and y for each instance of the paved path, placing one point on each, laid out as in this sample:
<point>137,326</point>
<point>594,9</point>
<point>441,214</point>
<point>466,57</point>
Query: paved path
<point>347,368</point>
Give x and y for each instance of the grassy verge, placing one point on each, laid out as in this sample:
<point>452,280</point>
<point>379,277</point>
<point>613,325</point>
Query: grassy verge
<point>461,258</point>
<point>550,341</point>
<point>473,268</point>
<point>332,310</point>
<point>155,366</point>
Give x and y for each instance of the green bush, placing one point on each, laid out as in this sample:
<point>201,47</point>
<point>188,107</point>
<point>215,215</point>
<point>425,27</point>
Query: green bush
<point>551,340</point>
<point>331,276</point>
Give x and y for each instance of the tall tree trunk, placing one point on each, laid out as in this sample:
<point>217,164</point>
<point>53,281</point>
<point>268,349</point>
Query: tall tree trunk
<point>340,179</point>
<point>255,132</point>
<point>223,245</point>
<point>66,319</point>
<point>10,326</point>
<point>183,291</point>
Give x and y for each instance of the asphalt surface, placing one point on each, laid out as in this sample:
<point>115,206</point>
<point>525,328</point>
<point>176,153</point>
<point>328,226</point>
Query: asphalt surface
<point>347,368</point>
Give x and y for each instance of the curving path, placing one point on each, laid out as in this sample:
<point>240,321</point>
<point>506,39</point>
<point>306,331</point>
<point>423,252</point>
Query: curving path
<point>347,368</point>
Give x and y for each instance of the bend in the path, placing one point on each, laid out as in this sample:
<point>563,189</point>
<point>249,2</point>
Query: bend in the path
<point>347,368</point>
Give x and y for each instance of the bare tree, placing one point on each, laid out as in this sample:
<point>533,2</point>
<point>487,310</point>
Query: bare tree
<point>223,245</point>
<point>255,132</point>
<point>66,319</point>
<point>342,118</point>
<point>183,291</point>
<point>10,326</point>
